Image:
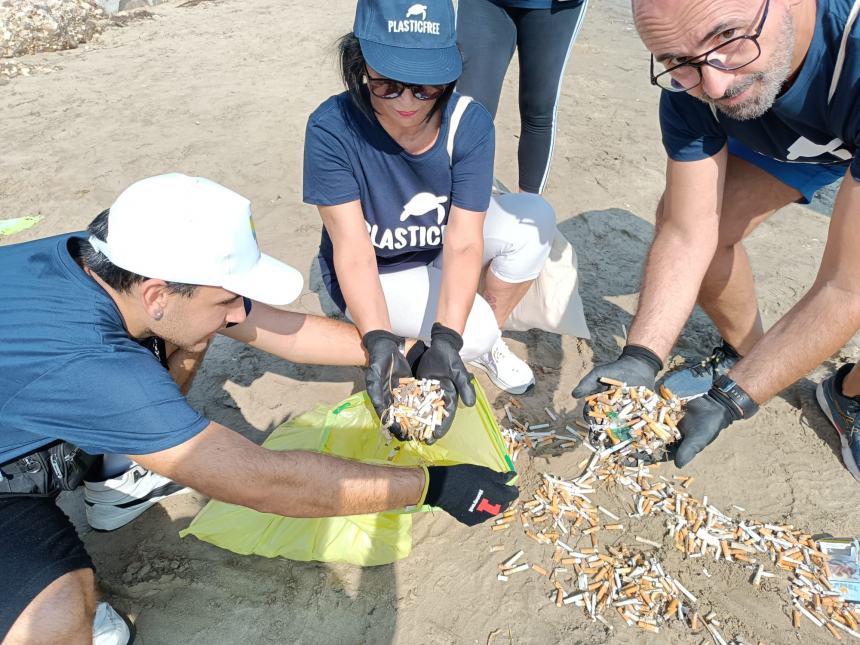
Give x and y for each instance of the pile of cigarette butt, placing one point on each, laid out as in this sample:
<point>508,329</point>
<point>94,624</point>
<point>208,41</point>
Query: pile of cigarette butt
<point>418,406</point>
<point>634,419</point>
<point>619,575</point>
<point>519,435</point>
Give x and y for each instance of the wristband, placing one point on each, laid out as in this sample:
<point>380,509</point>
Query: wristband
<point>643,354</point>
<point>733,396</point>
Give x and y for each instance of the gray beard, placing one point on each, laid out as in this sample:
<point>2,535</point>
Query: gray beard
<point>769,81</point>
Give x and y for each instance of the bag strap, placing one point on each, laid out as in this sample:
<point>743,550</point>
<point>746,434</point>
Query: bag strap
<point>454,123</point>
<point>840,56</point>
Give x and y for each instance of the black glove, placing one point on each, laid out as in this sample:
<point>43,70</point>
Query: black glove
<point>470,494</point>
<point>636,366</point>
<point>705,417</point>
<point>386,366</point>
<point>442,362</point>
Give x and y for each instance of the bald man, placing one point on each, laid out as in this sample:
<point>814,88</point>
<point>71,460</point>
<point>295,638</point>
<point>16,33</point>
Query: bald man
<point>758,109</point>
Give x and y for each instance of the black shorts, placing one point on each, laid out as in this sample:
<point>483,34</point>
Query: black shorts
<point>40,545</point>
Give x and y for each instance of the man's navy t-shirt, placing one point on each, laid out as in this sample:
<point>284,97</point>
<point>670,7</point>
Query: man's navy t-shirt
<point>802,126</point>
<point>68,368</point>
<point>405,198</point>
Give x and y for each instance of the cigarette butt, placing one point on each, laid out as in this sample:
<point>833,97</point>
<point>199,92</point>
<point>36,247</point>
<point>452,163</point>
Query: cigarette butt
<point>520,567</point>
<point>496,548</point>
<point>832,630</point>
<point>502,577</point>
<point>611,381</point>
<point>648,627</point>
<point>559,597</point>
<point>512,560</point>
<point>671,609</point>
<point>649,542</point>
<point>614,527</point>
<point>795,618</point>
<point>689,481</point>
<point>539,569</point>
<point>501,527</point>
<point>694,621</point>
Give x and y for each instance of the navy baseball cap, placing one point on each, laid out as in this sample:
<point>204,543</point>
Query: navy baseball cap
<point>411,42</point>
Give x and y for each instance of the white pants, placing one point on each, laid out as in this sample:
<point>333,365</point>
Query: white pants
<point>518,232</point>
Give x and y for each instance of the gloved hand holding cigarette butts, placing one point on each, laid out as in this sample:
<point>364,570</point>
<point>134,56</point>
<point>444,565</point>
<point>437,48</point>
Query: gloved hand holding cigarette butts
<point>386,366</point>
<point>636,366</point>
<point>442,362</point>
<point>708,415</point>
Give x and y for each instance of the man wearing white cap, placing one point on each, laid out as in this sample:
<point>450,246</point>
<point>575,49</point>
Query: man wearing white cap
<point>89,325</point>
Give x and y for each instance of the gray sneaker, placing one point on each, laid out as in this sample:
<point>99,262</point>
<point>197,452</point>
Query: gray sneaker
<point>690,382</point>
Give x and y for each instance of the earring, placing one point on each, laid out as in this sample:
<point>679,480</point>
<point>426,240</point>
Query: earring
<point>158,314</point>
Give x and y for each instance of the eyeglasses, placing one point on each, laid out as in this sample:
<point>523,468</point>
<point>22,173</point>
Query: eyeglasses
<point>385,88</point>
<point>733,54</point>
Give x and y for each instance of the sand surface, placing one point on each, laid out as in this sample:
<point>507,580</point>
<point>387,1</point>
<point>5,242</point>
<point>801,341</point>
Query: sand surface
<point>223,89</point>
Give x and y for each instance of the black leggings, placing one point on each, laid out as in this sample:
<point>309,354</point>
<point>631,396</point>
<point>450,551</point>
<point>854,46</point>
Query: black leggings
<point>488,35</point>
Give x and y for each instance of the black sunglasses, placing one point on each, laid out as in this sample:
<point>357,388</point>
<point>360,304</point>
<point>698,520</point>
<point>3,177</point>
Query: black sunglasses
<point>735,53</point>
<point>386,88</point>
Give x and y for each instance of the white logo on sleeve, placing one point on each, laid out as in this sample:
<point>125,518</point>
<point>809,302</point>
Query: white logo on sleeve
<point>417,10</point>
<point>807,149</point>
<point>415,22</point>
<point>423,203</point>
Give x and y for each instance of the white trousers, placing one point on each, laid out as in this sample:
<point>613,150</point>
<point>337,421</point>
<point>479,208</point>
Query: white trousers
<point>518,233</point>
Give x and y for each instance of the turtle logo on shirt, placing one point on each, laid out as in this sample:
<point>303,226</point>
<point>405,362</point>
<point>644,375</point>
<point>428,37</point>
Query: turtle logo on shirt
<point>417,10</point>
<point>807,149</point>
<point>423,203</point>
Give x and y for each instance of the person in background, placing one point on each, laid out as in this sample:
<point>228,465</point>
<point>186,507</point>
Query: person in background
<point>542,32</point>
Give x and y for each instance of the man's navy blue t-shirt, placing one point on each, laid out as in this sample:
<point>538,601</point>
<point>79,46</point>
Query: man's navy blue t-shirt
<point>405,198</point>
<point>802,126</point>
<point>68,368</point>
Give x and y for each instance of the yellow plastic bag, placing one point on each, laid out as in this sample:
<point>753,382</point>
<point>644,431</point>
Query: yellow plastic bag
<point>350,429</point>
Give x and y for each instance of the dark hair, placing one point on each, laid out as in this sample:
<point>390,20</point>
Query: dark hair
<point>116,277</point>
<point>353,69</point>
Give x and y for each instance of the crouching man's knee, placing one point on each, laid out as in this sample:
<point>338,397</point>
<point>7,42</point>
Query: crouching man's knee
<point>61,613</point>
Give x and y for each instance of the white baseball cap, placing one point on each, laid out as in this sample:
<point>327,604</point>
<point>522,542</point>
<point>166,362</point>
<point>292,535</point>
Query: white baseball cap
<point>191,230</point>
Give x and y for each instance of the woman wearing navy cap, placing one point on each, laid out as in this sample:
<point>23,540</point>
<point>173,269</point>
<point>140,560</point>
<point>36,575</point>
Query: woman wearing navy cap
<point>400,168</point>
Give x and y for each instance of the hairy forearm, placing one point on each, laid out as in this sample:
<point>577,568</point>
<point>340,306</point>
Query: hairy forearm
<point>224,465</point>
<point>460,276</point>
<point>308,484</point>
<point>674,270</point>
<point>788,350</point>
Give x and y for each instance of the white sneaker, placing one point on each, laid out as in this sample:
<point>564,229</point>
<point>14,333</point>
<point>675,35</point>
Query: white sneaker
<point>115,502</point>
<point>507,370</point>
<point>110,627</point>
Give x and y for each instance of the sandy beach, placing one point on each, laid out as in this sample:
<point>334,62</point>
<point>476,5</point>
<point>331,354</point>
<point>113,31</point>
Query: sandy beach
<point>223,89</point>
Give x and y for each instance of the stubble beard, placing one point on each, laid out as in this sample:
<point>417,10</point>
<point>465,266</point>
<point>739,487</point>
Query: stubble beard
<point>769,82</point>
